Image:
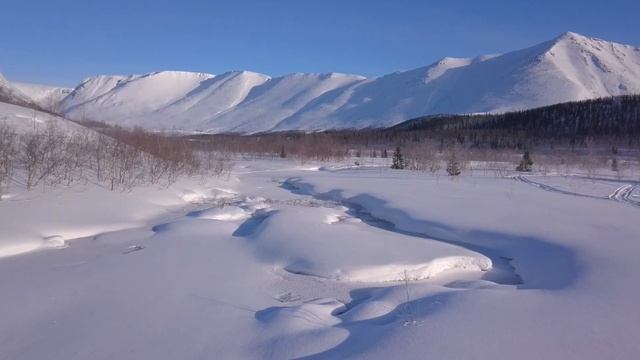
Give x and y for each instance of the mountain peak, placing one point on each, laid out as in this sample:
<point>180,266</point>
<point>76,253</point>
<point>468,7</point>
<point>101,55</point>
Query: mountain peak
<point>571,37</point>
<point>570,34</point>
<point>574,42</point>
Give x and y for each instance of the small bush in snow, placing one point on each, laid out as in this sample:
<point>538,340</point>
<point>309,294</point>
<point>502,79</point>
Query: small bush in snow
<point>120,159</point>
<point>526,163</point>
<point>453,165</point>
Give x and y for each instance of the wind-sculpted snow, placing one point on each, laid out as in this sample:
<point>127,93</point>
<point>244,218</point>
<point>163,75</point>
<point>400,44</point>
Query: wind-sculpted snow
<point>278,261</point>
<point>354,251</point>
<point>568,68</point>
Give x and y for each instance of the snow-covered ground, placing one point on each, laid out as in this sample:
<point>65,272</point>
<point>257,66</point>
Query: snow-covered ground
<point>25,120</point>
<point>281,260</point>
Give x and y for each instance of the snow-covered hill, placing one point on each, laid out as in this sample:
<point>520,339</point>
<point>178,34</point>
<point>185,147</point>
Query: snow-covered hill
<point>9,93</point>
<point>121,99</point>
<point>569,67</point>
<point>24,120</point>
<point>45,96</point>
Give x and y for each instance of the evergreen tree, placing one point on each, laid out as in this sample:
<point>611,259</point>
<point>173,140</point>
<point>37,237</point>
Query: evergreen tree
<point>384,154</point>
<point>526,163</point>
<point>398,160</point>
<point>453,166</point>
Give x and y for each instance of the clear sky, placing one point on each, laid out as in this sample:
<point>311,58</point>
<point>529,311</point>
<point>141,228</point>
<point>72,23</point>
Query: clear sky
<point>63,41</point>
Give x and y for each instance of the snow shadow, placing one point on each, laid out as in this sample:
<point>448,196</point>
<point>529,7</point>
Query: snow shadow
<point>528,262</point>
<point>540,264</point>
<point>366,333</point>
<point>160,228</point>
<point>251,226</point>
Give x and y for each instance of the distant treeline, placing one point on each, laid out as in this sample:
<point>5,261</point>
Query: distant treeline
<point>614,119</point>
<point>594,134</point>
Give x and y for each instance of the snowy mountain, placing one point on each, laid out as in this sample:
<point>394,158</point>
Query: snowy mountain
<point>9,93</point>
<point>569,67</point>
<point>132,97</point>
<point>47,97</point>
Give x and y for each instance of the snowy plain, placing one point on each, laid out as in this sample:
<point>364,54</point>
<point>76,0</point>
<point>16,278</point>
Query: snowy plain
<point>287,260</point>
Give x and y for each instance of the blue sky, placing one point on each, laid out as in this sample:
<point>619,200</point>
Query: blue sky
<point>61,42</point>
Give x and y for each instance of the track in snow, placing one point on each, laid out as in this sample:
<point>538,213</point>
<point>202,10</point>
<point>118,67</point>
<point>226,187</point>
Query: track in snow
<point>622,194</point>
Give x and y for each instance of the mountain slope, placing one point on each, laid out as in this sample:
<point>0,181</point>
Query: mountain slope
<point>25,119</point>
<point>278,99</point>
<point>571,67</point>
<point>568,68</point>
<point>10,94</point>
<point>212,97</point>
<point>47,97</point>
<point>125,99</point>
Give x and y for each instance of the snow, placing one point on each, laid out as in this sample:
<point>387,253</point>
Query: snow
<point>10,93</point>
<point>213,98</point>
<point>327,260</point>
<point>227,213</point>
<point>353,251</point>
<point>52,220</point>
<point>43,95</point>
<point>130,97</point>
<point>276,261</point>
<point>567,68</point>
<point>25,120</point>
<point>280,98</point>
<point>92,88</point>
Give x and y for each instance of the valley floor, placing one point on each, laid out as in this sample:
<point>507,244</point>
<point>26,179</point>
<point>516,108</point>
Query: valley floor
<point>279,260</point>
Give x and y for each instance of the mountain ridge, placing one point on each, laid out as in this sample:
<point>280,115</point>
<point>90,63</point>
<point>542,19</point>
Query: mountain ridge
<point>568,67</point>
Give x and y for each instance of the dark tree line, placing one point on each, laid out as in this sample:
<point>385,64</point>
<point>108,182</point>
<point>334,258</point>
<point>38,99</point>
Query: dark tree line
<point>614,120</point>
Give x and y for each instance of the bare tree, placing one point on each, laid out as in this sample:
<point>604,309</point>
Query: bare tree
<point>7,154</point>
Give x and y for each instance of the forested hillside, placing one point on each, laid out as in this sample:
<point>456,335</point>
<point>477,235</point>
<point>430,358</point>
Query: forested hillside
<point>615,119</point>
